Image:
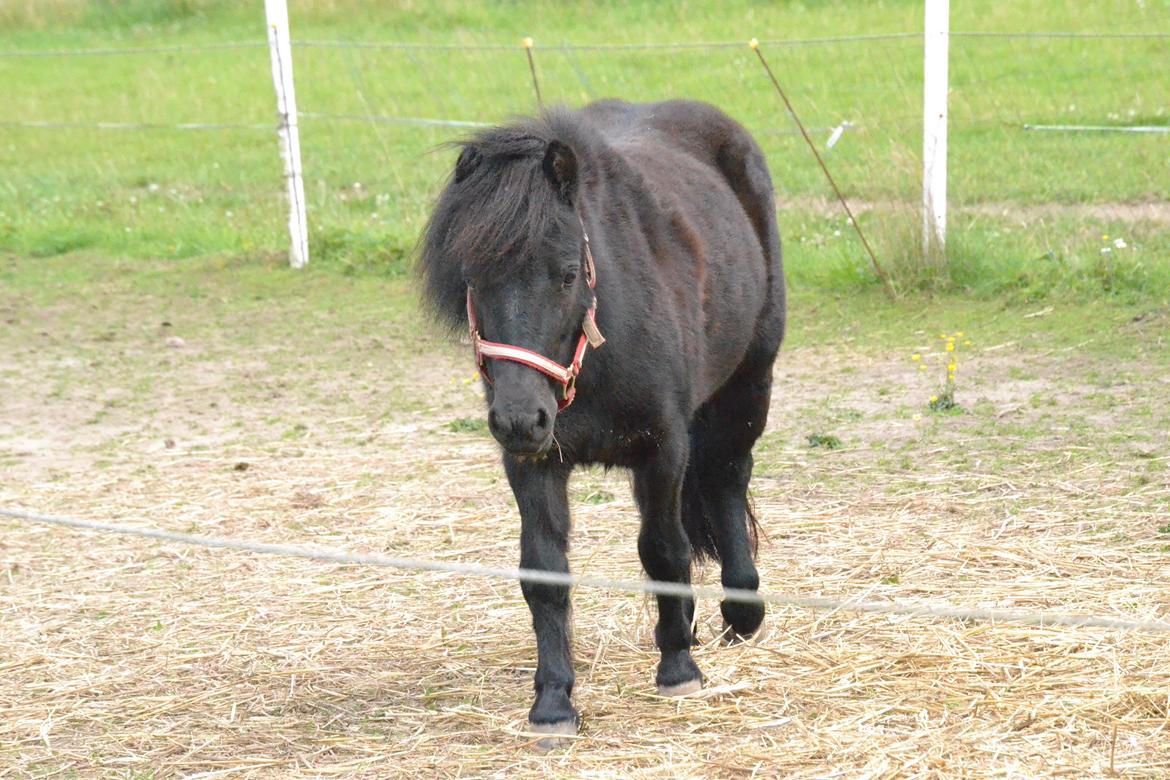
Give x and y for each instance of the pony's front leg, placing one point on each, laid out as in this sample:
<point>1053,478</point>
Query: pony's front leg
<point>542,496</point>
<point>665,551</point>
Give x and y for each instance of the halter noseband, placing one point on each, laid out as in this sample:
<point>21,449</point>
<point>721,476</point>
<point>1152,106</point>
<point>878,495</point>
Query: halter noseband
<point>566,376</point>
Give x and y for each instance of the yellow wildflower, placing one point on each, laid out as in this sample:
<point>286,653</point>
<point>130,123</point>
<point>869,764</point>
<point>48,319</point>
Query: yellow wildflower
<point>952,367</point>
<point>933,398</point>
<point>916,357</point>
<point>950,346</point>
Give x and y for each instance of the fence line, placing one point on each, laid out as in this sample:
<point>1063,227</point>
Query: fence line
<point>877,267</point>
<point>395,120</point>
<point>402,45</point>
<point>654,587</point>
<point>373,119</point>
<point>1085,35</point>
<point>176,49</point>
<point>1101,128</point>
<point>52,125</point>
<point>648,46</point>
<point>414,121</point>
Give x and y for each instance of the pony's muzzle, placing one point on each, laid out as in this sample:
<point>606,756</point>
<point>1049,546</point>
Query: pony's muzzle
<point>521,427</point>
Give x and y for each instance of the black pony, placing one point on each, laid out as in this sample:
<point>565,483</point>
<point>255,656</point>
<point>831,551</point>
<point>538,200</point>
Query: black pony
<point>652,229</point>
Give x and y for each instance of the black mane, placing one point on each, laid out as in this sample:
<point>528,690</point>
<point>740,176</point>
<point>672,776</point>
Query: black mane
<point>497,207</point>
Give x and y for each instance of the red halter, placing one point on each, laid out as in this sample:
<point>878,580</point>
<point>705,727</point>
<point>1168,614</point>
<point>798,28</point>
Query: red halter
<point>565,375</point>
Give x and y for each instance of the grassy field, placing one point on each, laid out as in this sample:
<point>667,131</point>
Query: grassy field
<point>244,400</point>
<point>172,193</point>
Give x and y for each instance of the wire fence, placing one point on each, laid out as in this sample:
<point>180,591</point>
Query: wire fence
<point>645,46</point>
<point>34,124</point>
<point>652,587</point>
<point>1024,106</point>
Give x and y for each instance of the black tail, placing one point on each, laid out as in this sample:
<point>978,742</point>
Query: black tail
<point>699,524</point>
<point>753,525</point>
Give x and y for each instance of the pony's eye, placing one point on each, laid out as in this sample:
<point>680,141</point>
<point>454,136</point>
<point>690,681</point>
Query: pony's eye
<point>569,277</point>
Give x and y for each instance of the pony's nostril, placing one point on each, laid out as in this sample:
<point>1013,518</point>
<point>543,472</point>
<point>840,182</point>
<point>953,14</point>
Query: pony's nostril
<point>521,429</point>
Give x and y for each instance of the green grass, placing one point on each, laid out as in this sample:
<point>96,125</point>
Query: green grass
<point>828,441</point>
<point>174,194</point>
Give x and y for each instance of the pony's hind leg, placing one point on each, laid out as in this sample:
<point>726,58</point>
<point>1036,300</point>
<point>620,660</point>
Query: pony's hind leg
<point>726,488</point>
<point>717,516</point>
<point>666,556</point>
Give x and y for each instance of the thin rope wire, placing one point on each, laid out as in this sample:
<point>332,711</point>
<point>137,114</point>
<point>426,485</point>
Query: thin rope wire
<point>53,125</point>
<point>338,44</point>
<point>377,119</point>
<point>401,45</point>
<point>400,120</point>
<point>877,267</point>
<point>1101,128</point>
<point>358,82</point>
<point>327,44</point>
<point>133,50</point>
<point>654,587</point>
<point>739,44</point>
<point>1085,35</point>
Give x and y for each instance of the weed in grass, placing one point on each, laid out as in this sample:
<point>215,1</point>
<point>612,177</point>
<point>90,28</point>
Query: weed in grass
<point>944,399</point>
<point>1117,266</point>
<point>598,497</point>
<point>468,425</point>
<point>826,441</point>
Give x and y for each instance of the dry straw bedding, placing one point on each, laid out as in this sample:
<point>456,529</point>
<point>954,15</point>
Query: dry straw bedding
<point>122,658</point>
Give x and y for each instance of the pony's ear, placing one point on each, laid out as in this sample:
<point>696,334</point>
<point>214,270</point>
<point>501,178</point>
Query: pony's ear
<point>468,161</point>
<point>560,168</point>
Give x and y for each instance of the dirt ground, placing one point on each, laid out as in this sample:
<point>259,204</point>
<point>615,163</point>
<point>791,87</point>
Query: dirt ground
<point>349,426</point>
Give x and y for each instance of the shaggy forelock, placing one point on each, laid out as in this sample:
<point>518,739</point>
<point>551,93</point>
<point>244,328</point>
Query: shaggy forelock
<point>498,213</point>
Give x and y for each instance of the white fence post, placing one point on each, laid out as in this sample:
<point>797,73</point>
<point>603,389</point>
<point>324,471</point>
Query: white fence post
<point>936,42</point>
<point>280,47</point>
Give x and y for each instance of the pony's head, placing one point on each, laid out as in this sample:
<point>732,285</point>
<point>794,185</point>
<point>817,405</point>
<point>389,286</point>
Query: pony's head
<point>506,247</point>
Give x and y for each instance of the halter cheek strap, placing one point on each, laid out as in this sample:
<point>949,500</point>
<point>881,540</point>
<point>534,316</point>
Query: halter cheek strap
<point>566,376</point>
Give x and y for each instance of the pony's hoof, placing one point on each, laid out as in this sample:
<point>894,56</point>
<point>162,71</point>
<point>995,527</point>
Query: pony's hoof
<point>682,689</point>
<point>744,620</point>
<point>558,734</point>
<point>730,636</point>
